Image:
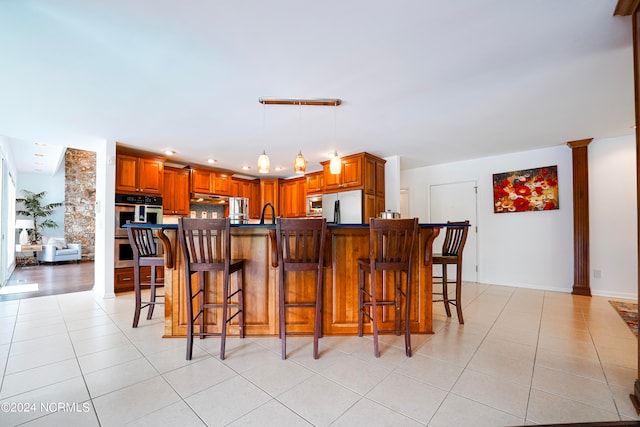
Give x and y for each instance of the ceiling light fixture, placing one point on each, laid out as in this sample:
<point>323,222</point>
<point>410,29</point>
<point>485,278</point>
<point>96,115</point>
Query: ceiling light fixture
<point>169,152</point>
<point>335,165</point>
<point>289,101</point>
<point>212,161</point>
<point>300,164</point>
<point>263,163</point>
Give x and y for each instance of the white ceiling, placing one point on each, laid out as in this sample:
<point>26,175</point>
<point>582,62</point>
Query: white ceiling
<point>429,81</point>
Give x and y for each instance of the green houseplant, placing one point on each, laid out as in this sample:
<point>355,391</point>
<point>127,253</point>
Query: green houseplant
<point>33,207</point>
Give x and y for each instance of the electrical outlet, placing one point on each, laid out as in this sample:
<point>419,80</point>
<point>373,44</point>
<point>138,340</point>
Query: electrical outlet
<point>597,274</point>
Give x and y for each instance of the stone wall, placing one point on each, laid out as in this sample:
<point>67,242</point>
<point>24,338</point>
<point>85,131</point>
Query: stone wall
<point>80,200</point>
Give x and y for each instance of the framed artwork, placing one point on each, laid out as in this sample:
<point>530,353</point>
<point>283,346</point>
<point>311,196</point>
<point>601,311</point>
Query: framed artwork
<point>526,190</point>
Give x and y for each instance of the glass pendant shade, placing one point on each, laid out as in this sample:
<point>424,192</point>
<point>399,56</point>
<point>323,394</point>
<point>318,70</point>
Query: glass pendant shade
<point>300,164</point>
<point>263,163</point>
<point>335,165</point>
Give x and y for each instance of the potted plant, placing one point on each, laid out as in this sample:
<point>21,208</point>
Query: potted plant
<point>33,207</point>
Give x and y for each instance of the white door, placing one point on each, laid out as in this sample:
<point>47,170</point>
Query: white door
<point>457,202</point>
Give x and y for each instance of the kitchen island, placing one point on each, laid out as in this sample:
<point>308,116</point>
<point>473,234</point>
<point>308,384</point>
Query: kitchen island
<point>256,244</point>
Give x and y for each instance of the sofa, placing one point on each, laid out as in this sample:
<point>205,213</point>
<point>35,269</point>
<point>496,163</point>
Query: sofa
<point>56,249</point>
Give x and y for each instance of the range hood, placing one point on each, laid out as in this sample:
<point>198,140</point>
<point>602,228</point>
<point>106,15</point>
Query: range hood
<point>208,199</point>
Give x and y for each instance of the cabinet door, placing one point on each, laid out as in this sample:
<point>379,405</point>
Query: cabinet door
<point>352,172</point>
<point>168,196</point>
<point>150,176</point>
<point>221,183</point>
<point>301,198</point>
<point>369,176</point>
<point>201,181</point>
<point>254,200</point>
<point>331,181</point>
<point>315,182</point>
<point>380,190</point>
<point>236,188</point>
<point>181,192</point>
<point>369,208</point>
<point>269,194</point>
<point>126,173</point>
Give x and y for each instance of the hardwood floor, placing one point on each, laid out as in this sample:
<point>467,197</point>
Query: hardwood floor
<point>51,279</point>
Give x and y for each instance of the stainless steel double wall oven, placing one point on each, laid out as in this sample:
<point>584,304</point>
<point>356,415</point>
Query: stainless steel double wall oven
<point>133,208</point>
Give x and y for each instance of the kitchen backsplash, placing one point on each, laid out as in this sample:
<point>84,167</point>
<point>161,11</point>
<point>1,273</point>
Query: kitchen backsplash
<point>206,211</point>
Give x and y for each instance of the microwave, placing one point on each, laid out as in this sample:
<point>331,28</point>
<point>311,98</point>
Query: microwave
<point>314,205</point>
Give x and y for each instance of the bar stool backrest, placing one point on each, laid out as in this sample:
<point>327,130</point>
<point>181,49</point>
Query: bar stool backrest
<point>391,242</point>
<point>142,242</point>
<point>205,243</point>
<point>301,241</point>
<point>455,238</point>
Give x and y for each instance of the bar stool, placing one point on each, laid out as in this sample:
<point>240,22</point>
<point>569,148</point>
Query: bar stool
<point>206,248</point>
<point>391,243</point>
<point>300,245</point>
<point>145,253</point>
<point>452,247</point>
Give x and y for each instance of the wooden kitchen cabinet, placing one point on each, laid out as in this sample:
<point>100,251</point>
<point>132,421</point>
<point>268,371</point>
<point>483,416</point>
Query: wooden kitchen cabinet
<point>269,194</point>
<point>364,172</point>
<point>123,277</point>
<point>293,197</point>
<point>175,199</point>
<point>209,181</point>
<point>358,172</point>
<point>139,175</point>
<point>249,188</point>
<point>315,182</point>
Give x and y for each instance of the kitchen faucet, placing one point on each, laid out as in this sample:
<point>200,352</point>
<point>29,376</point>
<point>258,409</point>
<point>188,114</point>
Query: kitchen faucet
<point>273,213</point>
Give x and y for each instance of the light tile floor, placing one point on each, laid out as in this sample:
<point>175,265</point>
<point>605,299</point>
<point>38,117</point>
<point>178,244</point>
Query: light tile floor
<point>523,357</point>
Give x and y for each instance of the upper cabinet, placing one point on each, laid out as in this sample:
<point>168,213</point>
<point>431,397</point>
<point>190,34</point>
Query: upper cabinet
<point>139,174</point>
<point>315,182</point>
<point>175,199</point>
<point>364,172</point>
<point>249,188</point>
<point>210,181</point>
<point>359,171</point>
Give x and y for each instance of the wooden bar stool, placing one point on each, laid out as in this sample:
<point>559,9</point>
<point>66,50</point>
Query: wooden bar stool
<point>206,248</point>
<point>300,245</point>
<point>391,243</point>
<point>145,253</point>
<point>452,247</point>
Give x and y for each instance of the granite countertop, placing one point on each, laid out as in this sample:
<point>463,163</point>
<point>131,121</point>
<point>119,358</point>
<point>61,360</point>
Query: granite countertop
<point>329,225</point>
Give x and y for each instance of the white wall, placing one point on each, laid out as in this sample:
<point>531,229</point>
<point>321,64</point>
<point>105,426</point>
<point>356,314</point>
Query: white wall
<point>54,186</point>
<point>525,249</point>
<point>535,249</point>
<point>613,230</point>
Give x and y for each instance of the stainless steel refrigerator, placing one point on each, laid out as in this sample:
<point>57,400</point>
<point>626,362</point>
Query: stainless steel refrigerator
<point>239,210</point>
<point>344,207</point>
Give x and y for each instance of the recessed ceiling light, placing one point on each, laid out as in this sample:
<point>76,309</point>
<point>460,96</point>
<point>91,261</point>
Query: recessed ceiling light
<point>278,168</point>
<point>211,160</point>
<point>169,152</point>
<point>245,168</point>
<point>39,155</point>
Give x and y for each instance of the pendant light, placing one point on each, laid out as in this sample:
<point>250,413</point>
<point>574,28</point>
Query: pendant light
<point>263,159</point>
<point>335,165</point>
<point>300,164</point>
<point>263,163</point>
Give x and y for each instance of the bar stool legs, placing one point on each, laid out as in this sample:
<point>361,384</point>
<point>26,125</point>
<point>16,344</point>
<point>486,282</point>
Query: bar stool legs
<point>391,243</point>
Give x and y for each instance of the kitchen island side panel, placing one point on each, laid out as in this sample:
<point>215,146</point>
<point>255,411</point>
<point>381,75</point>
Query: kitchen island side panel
<point>340,297</point>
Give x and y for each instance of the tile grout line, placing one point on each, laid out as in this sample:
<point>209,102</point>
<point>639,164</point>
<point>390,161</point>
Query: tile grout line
<point>6,363</point>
